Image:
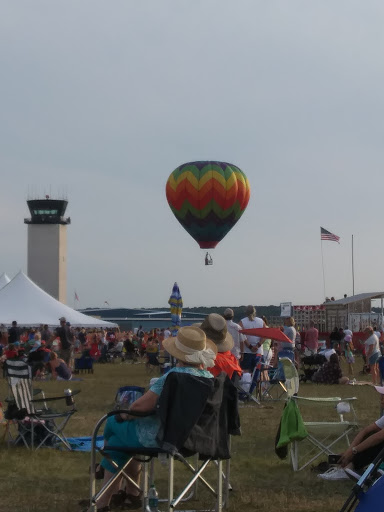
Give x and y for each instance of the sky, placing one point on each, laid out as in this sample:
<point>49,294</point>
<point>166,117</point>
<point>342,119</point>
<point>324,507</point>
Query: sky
<point>101,101</point>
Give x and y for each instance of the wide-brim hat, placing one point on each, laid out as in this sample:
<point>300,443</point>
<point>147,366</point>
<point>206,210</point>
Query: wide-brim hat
<point>188,340</point>
<point>215,328</point>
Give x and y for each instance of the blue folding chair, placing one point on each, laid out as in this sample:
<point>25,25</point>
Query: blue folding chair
<point>126,395</point>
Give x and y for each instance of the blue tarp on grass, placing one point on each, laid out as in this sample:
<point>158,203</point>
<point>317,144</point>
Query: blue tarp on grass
<point>83,444</point>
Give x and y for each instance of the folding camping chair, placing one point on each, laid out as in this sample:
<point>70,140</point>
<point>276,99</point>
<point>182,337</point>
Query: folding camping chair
<point>323,435</point>
<point>274,388</point>
<point>35,427</point>
<point>180,437</point>
<point>83,364</point>
<point>126,395</point>
<point>247,386</point>
<point>368,490</point>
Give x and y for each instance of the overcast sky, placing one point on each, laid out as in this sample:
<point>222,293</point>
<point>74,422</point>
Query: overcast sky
<point>102,100</point>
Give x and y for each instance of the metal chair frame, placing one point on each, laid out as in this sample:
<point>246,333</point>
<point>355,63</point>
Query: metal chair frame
<point>320,445</point>
<point>221,493</point>
<point>20,393</point>
<point>367,479</point>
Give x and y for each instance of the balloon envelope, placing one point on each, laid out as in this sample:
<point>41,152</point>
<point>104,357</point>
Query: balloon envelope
<point>207,198</point>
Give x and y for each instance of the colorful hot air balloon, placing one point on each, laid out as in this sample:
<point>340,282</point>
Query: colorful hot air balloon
<point>207,198</point>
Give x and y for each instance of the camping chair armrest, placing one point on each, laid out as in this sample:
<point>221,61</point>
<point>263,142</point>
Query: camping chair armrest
<point>131,413</point>
<point>333,399</point>
<point>53,398</point>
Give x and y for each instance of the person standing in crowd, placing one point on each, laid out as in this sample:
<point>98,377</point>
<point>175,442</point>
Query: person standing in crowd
<point>140,333</point>
<point>14,333</point>
<point>252,344</point>
<point>167,333</point>
<point>234,329</point>
<point>335,338</point>
<point>286,349</point>
<point>311,339</point>
<point>66,341</point>
<point>82,336</point>
<point>379,334</point>
<point>46,334</point>
<point>267,346</point>
<point>347,332</point>
<point>3,335</point>
<point>372,350</point>
<point>348,353</point>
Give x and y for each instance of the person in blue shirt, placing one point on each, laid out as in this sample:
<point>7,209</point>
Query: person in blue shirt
<point>194,353</point>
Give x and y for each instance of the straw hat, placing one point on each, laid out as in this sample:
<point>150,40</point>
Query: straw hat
<point>192,346</point>
<point>215,327</point>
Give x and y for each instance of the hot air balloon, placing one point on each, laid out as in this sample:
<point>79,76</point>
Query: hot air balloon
<point>207,198</point>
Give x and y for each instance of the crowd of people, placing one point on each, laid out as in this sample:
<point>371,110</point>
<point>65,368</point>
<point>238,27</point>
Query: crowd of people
<point>53,351</point>
<point>207,349</point>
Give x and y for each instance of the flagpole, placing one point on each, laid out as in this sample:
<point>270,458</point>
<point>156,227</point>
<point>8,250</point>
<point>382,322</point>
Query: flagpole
<point>322,263</point>
<point>353,272</point>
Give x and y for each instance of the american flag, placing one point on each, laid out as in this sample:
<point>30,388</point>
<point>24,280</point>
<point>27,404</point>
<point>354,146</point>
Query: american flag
<point>327,235</point>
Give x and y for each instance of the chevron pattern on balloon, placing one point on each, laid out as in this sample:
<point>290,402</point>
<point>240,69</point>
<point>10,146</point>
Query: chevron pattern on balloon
<point>208,198</point>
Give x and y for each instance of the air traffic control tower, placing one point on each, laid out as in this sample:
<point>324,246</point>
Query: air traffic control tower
<point>47,245</point>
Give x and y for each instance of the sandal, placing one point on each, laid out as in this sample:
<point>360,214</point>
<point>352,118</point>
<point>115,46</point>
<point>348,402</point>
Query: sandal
<point>134,503</point>
<point>118,499</point>
<point>126,501</point>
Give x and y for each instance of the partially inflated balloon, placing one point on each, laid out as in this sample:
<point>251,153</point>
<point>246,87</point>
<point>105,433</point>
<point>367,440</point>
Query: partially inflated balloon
<point>207,198</point>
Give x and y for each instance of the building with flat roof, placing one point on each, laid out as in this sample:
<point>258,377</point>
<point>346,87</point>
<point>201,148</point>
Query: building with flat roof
<point>354,311</point>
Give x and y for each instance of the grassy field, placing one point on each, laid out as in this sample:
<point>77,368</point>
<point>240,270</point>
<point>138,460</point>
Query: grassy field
<point>52,480</point>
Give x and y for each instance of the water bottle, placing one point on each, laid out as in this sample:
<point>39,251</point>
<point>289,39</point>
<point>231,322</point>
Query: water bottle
<point>68,397</point>
<point>153,499</point>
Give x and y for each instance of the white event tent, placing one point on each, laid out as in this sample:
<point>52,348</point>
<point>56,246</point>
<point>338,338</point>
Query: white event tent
<point>4,279</point>
<point>22,300</point>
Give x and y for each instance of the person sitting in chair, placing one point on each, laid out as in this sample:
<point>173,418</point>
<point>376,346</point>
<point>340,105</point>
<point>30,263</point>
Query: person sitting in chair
<point>194,353</point>
<point>362,451</point>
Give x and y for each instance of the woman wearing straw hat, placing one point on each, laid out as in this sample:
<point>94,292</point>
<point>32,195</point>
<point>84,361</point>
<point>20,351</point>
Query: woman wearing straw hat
<point>215,328</point>
<point>194,353</point>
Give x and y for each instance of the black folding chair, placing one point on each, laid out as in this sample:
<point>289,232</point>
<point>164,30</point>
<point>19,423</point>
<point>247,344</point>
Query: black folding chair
<point>181,436</point>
